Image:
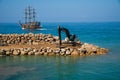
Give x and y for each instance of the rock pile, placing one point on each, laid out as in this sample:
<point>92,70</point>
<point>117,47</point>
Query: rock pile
<point>33,51</point>
<point>84,49</point>
<point>56,51</point>
<point>30,39</point>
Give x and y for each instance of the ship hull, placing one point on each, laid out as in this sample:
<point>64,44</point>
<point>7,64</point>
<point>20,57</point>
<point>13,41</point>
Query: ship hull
<point>31,25</point>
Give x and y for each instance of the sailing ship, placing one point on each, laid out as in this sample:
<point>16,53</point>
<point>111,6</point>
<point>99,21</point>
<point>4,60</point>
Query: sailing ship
<point>30,22</point>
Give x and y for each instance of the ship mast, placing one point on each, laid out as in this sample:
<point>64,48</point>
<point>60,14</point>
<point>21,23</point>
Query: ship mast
<point>29,15</point>
<point>34,14</point>
<point>26,13</point>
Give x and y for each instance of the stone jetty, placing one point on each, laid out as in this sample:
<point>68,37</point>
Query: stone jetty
<point>44,44</point>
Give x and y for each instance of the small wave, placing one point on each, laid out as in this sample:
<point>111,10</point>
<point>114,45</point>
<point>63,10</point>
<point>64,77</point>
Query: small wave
<point>42,29</point>
<point>23,28</point>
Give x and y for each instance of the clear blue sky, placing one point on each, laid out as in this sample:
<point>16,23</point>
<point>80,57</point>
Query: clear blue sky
<point>62,10</point>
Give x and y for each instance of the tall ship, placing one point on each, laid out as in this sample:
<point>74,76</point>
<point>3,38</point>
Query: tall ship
<point>30,19</point>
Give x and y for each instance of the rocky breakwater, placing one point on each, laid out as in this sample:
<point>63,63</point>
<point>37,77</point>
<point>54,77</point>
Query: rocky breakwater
<point>29,39</point>
<point>43,44</point>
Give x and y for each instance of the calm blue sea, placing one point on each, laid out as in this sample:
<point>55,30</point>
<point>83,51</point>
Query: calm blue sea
<point>102,67</point>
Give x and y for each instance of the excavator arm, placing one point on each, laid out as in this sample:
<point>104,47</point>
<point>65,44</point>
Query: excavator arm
<point>68,35</point>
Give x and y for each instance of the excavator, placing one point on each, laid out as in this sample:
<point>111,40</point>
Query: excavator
<point>70,38</point>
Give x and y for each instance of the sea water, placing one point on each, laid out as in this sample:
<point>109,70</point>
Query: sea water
<point>101,67</point>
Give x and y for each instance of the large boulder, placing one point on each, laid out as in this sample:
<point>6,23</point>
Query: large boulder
<point>37,53</point>
<point>24,52</point>
<point>2,52</point>
<point>56,51</point>
<point>9,52</point>
<point>35,43</point>
<point>68,52</point>
<point>31,53</point>
<point>75,53</point>
<point>16,52</point>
